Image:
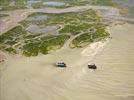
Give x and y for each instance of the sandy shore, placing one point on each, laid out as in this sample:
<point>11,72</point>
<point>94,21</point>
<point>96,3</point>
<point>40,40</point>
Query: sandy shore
<point>21,67</point>
<point>3,60</point>
<point>94,48</point>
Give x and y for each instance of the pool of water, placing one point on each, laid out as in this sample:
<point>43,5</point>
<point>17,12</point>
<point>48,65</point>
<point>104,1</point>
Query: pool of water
<point>30,2</point>
<point>47,30</point>
<point>37,18</point>
<point>54,3</point>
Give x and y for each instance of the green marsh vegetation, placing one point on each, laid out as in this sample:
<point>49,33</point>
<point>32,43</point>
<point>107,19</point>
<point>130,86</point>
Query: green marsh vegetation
<point>86,24</point>
<point>17,40</point>
<point>23,4</point>
<point>96,33</point>
<point>11,37</point>
<point>12,4</point>
<point>71,22</point>
<point>103,2</point>
<point>71,3</point>
<point>44,45</point>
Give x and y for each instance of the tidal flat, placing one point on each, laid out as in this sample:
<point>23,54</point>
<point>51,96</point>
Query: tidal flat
<point>34,37</point>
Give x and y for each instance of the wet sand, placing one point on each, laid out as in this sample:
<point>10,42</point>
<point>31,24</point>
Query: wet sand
<point>36,78</point>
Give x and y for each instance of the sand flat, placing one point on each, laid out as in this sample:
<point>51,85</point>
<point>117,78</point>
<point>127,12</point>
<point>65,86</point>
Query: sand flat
<point>36,78</point>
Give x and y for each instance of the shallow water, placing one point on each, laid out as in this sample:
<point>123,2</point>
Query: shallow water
<point>30,2</point>
<point>37,18</point>
<point>128,4</point>
<point>46,30</point>
<point>54,3</point>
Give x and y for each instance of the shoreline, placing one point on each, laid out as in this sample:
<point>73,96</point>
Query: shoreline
<point>90,50</point>
<point>95,48</point>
